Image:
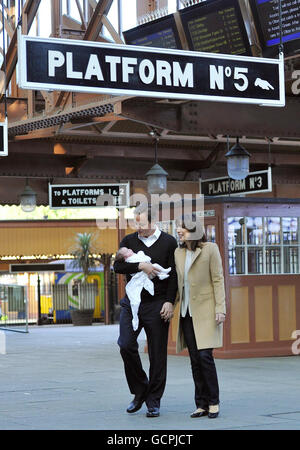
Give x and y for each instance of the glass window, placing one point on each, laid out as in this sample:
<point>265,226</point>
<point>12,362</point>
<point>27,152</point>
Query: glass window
<point>290,259</point>
<point>255,260</point>
<point>172,6</point>
<point>71,8</point>
<point>210,231</point>
<point>236,261</point>
<point>263,245</point>
<point>273,260</point>
<point>129,17</point>
<point>113,19</point>
<point>289,230</point>
<point>272,230</point>
<point>236,231</point>
<point>254,230</point>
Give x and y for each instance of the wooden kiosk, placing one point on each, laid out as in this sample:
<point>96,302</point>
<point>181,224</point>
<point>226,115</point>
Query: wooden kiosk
<point>260,247</point>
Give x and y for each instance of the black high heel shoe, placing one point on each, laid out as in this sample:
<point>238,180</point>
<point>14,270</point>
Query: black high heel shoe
<point>213,411</point>
<point>199,413</point>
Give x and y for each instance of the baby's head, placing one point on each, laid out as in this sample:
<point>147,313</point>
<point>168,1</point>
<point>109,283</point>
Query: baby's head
<point>123,253</point>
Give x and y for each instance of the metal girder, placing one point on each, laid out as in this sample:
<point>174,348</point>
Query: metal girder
<point>164,115</point>
<point>59,119</point>
<point>49,166</point>
<point>203,156</point>
<point>29,11</point>
<point>108,149</point>
<point>213,118</point>
<point>242,120</point>
<point>95,24</point>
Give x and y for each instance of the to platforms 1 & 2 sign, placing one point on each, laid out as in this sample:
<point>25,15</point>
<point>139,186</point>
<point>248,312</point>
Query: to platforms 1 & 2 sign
<point>255,182</point>
<point>101,68</point>
<point>90,195</point>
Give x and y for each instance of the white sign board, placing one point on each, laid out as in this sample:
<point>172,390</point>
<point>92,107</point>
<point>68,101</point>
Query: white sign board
<point>101,68</point>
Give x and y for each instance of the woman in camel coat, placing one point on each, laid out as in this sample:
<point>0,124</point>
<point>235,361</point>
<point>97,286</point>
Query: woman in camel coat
<point>201,295</point>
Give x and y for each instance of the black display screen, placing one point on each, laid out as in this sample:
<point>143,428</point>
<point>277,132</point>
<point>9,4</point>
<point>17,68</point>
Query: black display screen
<point>216,26</point>
<point>266,16</point>
<point>160,33</point>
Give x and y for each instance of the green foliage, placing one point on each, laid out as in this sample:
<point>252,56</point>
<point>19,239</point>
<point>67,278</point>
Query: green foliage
<point>83,253</point>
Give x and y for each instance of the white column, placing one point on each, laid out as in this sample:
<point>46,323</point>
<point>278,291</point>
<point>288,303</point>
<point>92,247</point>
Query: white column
<point>2,343</point>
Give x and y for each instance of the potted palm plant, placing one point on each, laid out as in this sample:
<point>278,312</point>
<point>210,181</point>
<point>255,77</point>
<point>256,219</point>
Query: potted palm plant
<point>83,252</point>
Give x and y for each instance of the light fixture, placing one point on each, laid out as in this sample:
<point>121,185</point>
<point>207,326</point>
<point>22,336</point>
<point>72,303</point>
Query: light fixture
<point>28,199</point>
<point>156,176</point>
<point>237,162</point>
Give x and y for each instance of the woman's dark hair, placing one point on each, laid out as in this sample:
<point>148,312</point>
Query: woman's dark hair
<point>188,223</point>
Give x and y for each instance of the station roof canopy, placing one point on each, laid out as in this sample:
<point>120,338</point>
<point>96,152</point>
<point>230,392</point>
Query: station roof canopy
<point>74,137</point>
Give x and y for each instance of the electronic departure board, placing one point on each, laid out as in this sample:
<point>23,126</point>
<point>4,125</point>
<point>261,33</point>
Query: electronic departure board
<point>216,26</point>
<point>266,17</point>
<point>161,33</point>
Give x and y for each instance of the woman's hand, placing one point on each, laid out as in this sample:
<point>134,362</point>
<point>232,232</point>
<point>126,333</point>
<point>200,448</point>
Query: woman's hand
<point>220,317</point>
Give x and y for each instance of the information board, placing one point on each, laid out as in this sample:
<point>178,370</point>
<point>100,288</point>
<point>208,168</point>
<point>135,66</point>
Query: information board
<point>216,26</point>
<point>37,267</point>
<point>160,33</point>
<point>255,182</point>
<point>266,17</point>
<point>90,195</point>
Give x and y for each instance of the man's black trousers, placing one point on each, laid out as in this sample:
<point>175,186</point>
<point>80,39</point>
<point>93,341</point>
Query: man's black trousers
<point>156,331</point>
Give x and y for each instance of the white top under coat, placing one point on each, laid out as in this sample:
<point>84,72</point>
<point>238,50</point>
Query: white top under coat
<point>186,294</point>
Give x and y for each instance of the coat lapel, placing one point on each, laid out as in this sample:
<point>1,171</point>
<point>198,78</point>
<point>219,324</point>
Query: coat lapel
<point>181,259</point>
<point>197,252</point>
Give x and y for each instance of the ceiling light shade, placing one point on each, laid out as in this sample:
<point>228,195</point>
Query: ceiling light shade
<point>157,180</point>
<point>237,162</point>
<point>28,199</point>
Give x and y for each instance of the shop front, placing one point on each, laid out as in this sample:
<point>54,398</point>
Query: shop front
<point>45,242</point>
<point>260,247</point>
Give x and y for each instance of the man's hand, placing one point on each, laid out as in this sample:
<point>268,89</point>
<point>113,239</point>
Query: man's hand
<point>220,317</point>
<point>167,311</point>
<point>149,269</point>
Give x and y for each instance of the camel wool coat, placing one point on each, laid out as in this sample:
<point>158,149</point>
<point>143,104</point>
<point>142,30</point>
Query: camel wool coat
<point>207,295</point>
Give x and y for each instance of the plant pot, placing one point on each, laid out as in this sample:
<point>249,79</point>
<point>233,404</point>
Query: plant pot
<point>82,317</point>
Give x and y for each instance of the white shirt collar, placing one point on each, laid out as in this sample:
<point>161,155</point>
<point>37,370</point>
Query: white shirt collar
<point>148,241</point>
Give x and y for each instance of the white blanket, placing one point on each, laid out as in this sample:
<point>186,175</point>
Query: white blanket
<point>140,281</point>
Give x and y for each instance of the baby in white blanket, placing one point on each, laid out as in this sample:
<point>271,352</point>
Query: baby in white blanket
<point>139,280</point>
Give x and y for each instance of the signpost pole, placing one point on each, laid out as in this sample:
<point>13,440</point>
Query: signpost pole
<point>39,321</point>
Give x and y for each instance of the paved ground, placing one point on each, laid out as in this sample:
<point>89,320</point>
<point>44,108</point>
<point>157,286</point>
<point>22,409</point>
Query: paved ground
<point>71,378</point>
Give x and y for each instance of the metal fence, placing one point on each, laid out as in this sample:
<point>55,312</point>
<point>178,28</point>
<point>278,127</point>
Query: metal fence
<point>22,306</point>
<point>14,313</point>
<point>66,297</point>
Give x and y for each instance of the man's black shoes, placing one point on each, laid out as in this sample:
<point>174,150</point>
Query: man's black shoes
<point>153,412</point>
<point>135,405</point>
